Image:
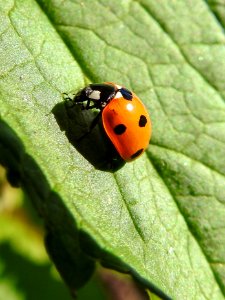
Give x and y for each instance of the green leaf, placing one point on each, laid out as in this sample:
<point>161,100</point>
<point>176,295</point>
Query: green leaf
<point>161,217</point>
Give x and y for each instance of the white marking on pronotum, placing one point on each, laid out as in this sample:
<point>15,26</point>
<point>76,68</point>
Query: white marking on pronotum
<point>118,95</point>
<point>118,86</point>
<point>95,95</point>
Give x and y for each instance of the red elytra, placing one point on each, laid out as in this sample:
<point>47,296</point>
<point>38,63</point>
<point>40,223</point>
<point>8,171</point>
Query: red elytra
<point>127,124</point>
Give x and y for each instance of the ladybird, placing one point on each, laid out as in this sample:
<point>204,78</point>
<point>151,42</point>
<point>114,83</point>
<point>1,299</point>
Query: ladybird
<point>124,117</point>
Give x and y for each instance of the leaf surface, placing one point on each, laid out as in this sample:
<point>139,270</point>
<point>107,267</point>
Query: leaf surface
<point>161,217</point>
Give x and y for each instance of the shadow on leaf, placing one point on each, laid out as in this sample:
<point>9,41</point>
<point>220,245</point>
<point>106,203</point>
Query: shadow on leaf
<point>63,243</point>
<point>95,146</point>
<point>73,251</point>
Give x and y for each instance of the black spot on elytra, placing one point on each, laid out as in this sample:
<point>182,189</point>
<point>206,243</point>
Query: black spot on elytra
<point>142,121</point>
<point>119,129</point>
<point>137,153</point>
<point>126,94</point>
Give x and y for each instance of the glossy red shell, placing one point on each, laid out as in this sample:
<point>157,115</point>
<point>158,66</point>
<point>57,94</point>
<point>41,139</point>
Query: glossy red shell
<point>127,124</point>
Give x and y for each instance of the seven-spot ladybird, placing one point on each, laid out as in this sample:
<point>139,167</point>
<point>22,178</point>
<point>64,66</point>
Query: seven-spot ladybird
<point>125,118</point>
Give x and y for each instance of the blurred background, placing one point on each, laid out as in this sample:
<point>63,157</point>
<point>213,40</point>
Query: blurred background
<point>25,269</point>
<point>26,272</point>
